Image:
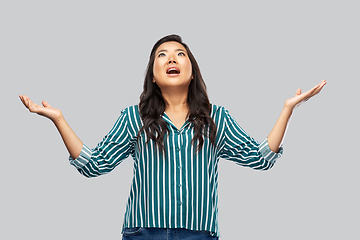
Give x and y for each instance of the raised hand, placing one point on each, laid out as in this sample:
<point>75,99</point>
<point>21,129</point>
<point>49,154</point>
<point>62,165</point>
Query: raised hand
<point>72,142</point>
<point>277,134</point>
<point>300,98</point>
<point>46,110</point>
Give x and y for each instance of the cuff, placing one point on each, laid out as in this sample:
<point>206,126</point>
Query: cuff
<point>266,152</point>
<point>83,158</point>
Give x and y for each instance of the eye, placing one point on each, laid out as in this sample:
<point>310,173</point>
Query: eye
<point>181,54</point>
<point>161,55</point>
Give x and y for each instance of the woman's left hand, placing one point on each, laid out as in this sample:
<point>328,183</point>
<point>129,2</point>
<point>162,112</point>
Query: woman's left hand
<point>276,135</point>
<point>299,97</point>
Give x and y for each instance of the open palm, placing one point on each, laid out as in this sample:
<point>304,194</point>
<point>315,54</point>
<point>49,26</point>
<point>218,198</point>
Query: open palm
<point>46,110</point>
<point>300,98</point>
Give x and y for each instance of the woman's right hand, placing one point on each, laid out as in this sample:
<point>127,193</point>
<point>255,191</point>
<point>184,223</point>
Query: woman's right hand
<point>72,142</point>
<point>46,110</point>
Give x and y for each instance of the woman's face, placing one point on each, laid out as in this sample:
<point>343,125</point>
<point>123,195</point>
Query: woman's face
<point>172,66</point>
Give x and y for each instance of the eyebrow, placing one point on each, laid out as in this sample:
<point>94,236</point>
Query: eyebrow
<point>177,50</point>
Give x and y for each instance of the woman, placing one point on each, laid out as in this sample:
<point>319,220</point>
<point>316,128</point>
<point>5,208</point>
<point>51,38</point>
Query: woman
<point>176,138</point>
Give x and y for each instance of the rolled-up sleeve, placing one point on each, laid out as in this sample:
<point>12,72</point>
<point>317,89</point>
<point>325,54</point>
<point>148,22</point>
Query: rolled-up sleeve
<point>239,147</point>
<point>115,147</point>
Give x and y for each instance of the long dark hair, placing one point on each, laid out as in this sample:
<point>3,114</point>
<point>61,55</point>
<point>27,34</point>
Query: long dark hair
<point>152,104</point>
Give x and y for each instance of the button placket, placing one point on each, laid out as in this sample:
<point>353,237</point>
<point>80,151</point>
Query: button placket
<point>179,166</point>
<point>178,148</point>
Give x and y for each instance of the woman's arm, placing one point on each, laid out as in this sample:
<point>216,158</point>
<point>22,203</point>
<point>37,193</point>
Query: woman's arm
<point>71,141</point>
<point>276,135</point>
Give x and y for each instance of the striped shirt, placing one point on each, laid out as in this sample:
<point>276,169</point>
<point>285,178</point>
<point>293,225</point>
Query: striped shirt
<point>178,189</point>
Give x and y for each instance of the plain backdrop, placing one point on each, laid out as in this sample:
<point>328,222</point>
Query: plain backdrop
<point>88,58</point>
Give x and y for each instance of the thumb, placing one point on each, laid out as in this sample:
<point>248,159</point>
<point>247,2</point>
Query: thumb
<point>298,92</point>
<point>45,104</point>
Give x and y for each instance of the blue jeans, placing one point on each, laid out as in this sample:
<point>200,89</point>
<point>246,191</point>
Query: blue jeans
<point>140,233</point>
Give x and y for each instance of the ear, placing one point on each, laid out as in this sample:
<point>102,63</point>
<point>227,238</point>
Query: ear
<point>153,80</point>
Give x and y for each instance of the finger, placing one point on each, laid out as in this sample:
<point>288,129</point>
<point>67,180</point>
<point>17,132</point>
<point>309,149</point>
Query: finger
<point>311,91</point>
<point>22,99</point>
<point>33,107</point>
<point>28,101</point>
<point>25,101</point>
<point>298,92</point>
<point>45,104</point>
<point>322,84</point>
<point>315,90</point>
<point>319,88</point>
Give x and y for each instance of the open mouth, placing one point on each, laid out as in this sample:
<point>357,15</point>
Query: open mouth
<point>173,71</point>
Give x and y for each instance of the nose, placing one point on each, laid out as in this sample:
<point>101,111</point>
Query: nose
<point>171,60</point>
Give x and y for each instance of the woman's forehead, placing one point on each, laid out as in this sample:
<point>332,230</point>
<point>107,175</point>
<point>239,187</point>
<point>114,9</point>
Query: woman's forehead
<point>170,46</point>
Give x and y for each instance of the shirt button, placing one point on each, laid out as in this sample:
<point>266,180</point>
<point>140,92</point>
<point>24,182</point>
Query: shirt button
<point>180,203</point>
<point>179,167</point>
<point>178,149</point>
<point>179,185</point>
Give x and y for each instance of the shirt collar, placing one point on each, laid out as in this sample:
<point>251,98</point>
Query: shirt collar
<point>167,119</point>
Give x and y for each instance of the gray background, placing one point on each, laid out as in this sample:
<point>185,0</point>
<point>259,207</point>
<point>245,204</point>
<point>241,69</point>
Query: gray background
<point>88,58</point>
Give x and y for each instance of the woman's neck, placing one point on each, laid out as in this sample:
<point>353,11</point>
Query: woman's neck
<point>176,102</point>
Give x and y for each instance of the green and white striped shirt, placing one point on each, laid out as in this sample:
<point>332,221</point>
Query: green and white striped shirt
<point>179,189</point>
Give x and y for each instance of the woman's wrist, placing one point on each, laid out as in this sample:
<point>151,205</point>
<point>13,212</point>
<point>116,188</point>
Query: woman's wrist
<point>288,109</point>
<point>58,119</point>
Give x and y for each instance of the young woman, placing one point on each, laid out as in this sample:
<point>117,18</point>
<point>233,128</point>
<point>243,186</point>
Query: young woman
<point>176,138</point>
